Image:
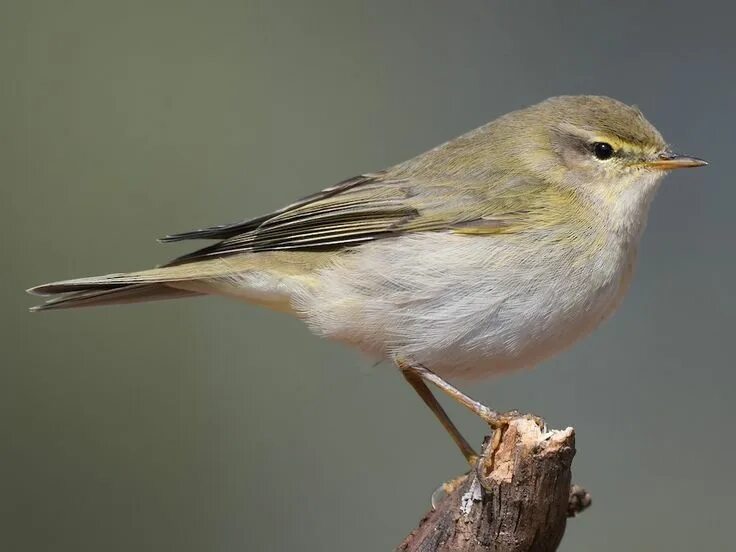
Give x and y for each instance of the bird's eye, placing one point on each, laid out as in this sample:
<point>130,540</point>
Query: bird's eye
<point>602,150</point>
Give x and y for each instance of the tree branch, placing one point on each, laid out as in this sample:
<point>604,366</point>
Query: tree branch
<point>517,498</point>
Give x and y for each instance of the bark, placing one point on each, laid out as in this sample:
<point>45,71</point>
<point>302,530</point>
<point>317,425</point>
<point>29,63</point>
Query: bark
<point>517,498</point>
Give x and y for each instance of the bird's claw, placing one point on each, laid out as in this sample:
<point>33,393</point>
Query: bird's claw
<point>503,419</point>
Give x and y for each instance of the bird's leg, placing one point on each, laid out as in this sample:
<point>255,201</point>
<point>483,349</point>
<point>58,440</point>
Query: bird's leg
<point>494,419</point>
<point>415,380</point>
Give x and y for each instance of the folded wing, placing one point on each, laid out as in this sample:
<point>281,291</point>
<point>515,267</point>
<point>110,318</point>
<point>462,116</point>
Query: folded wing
<point>362,209</point>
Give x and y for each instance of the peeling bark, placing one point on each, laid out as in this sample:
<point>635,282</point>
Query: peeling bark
<point>516,499</point>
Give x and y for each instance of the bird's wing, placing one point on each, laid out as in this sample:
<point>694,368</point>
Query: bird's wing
<point>370,207</point>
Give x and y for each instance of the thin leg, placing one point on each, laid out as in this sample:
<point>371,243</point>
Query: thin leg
<point>494,419</point>
<point>429,399</point>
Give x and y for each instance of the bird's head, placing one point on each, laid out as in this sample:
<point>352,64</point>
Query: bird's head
<point>595,141</point>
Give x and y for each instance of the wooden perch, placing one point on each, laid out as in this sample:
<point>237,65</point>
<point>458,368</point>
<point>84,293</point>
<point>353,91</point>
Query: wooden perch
<point>517,499</point>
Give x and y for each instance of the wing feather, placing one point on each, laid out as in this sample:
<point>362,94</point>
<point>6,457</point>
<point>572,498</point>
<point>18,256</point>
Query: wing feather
<point>224,231</point>
<point>370,207</point>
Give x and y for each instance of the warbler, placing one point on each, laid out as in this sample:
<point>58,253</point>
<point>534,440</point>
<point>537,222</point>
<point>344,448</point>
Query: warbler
<point>486,254</point>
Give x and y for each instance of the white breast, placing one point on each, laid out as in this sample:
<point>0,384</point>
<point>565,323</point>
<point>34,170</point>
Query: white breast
<point>467,305</point>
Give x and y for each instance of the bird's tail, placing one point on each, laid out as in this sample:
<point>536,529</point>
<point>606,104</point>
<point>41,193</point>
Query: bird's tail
<point>216,276</point>
<point>131,287</point>
<point>114,295</point>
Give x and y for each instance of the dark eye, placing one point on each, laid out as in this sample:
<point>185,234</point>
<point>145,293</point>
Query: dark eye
<point>602,150</point>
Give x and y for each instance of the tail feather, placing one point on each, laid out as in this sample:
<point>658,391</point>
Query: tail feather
<point>127,287</point>
<point>216,276</point>
<point>180,273</point>
<point>115,295</point>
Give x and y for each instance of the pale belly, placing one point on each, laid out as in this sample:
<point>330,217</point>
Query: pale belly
<point>467,307</point>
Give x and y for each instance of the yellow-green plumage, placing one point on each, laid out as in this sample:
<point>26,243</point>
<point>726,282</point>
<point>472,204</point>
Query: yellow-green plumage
<point>488,252</point>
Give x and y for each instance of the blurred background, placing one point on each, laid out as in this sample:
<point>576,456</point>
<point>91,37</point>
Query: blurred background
<point>212,425</point>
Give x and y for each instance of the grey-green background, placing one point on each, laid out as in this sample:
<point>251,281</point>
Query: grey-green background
<point>212,425</point>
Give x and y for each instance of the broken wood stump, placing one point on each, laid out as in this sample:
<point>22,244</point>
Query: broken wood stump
<point>517,498</point>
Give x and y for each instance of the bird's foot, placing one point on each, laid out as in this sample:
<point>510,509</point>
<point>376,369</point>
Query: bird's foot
<point>501,420</point>
<point>446,488</point>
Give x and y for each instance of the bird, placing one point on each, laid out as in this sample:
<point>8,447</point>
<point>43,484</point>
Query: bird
<point>489,253</point>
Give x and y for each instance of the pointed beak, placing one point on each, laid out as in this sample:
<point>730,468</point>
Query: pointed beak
<point>667,161</point>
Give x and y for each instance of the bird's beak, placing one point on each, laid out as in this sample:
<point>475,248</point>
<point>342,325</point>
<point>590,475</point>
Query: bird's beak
<point>667,161</point>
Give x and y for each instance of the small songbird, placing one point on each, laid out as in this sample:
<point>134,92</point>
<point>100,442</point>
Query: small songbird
<point>488,253</point>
